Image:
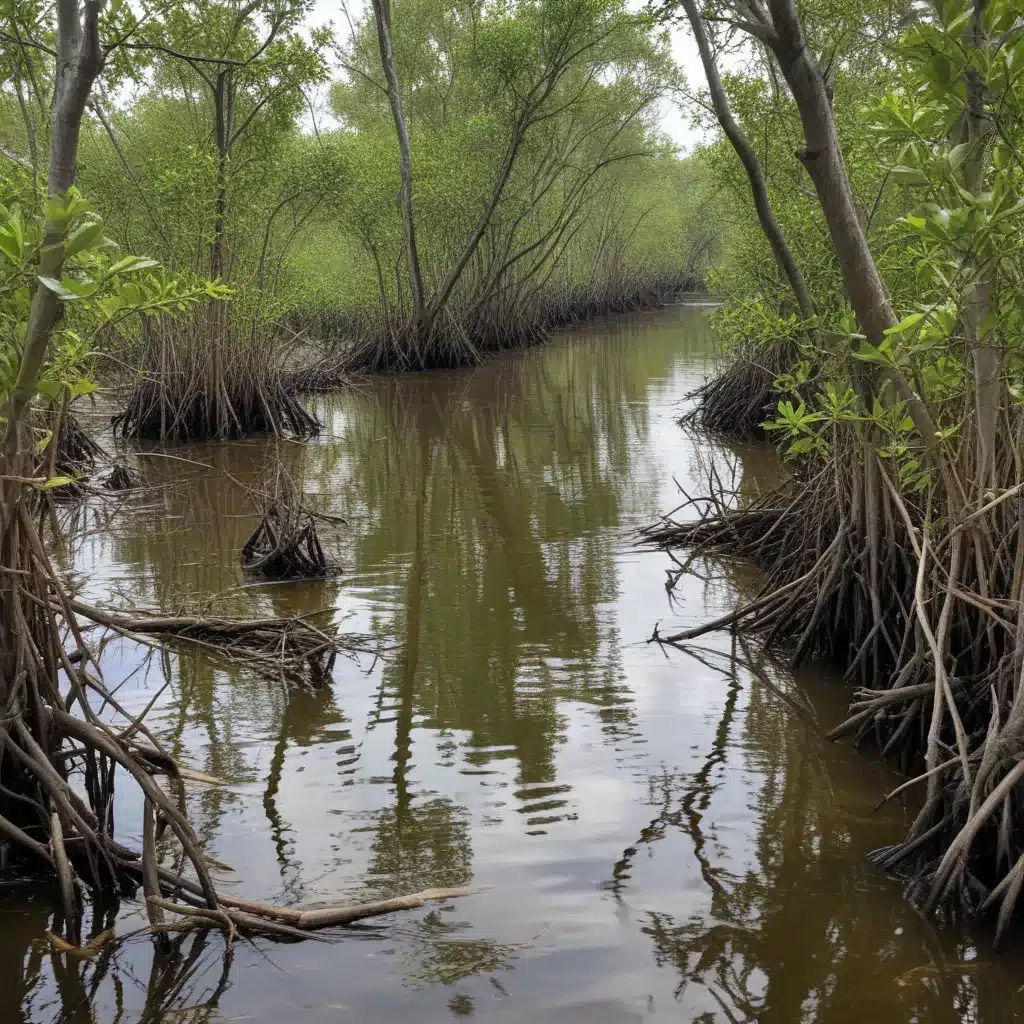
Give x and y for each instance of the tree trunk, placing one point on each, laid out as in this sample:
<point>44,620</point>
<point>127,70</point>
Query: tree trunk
<point>745,151</point>
<point>823,160</point>
<point>78,63</point>
<point>387,60</point>
<point>222,95</point>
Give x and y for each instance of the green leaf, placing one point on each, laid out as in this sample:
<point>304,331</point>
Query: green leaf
<point>58,289</point>
<point>78,289</point>
<point>958,23</point>
<point>56,211</point>
<point>909,175</point>
<point>130,295</point>
<point>958,154</point>
<point>867,353</point>
<point>58,481</point>
<point>130,263</point>
<point>911,320</point>
<point>11,245</point>
<point>88,237</point>
<point>803,445</point>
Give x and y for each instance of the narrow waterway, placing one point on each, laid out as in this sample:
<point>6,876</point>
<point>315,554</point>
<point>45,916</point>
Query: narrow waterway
<point>655,835</point>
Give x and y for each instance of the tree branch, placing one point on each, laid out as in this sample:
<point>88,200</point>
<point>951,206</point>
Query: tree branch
<point>20,160</point>
<point>18,41</point>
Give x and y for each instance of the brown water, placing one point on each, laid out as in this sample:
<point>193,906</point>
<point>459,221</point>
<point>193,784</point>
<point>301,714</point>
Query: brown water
<point>663,836</point>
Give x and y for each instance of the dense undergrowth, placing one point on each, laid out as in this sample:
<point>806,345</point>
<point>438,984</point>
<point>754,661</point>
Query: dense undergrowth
<point>238,144</point>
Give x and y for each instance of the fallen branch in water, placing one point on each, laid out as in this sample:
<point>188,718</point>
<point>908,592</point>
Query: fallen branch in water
<point>251,917</point>
<point>279,644</point>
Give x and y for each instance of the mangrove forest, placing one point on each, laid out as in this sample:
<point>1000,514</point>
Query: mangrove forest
<point>511,509</point>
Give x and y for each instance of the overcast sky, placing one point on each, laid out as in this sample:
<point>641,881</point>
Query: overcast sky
<point>675,122</point>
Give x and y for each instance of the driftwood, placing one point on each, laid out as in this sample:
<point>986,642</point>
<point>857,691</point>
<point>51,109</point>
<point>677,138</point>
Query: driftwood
<point>249,916</point>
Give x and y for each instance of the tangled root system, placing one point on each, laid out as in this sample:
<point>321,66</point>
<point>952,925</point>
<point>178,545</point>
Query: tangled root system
<point>737,400</point>
<point>468,332</point>
<point>121,477</point>
<point>206,379</point>
<point>284,544</point>
<point>59,758</point>
<point>918,596</point>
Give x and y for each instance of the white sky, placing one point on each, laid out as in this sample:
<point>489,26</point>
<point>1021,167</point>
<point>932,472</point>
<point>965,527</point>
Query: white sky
<point>675,122</point>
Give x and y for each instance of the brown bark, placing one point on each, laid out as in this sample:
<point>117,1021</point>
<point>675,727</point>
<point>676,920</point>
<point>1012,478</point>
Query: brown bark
<point>745,151</point>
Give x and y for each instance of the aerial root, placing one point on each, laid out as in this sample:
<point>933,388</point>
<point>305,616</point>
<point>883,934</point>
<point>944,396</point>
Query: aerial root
<point>284,544</point>
<point>208,379</point>
<point>59,759</point>
<point>737,401</point>
<point>467,332</point>
<point>917,596</point>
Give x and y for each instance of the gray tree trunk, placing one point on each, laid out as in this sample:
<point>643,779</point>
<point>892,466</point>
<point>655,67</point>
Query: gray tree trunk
<point>745,151</point>
<point>387,60</point>
<point>78,63</point>
<point>823,160</point>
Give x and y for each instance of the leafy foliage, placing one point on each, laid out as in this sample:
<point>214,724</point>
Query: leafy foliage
<point>99,288</point>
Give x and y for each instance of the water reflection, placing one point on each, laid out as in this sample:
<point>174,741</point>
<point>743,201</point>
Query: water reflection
<point>655,834</point>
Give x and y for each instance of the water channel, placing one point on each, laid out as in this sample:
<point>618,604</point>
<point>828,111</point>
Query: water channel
<point>654,835</point>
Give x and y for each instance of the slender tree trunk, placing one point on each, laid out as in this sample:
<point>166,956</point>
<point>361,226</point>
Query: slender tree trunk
<point>745,151</point>
<point>981,337</point>
<point>78,63</point>
<point>387,60</point>
<point>222,94</point>
<point>451,279</point>
<point>216,314</point>
<point>823,160</point>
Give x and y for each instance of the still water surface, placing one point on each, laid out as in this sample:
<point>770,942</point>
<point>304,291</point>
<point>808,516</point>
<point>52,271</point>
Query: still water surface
<point>658,836</point>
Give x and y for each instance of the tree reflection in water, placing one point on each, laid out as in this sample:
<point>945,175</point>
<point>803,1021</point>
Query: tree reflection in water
<point>784,936</point>
<point>489,533</point>
<point>142,979</point>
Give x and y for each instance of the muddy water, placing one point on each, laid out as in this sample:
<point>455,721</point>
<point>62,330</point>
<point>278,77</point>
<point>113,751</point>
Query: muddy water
<point>656,836</point>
